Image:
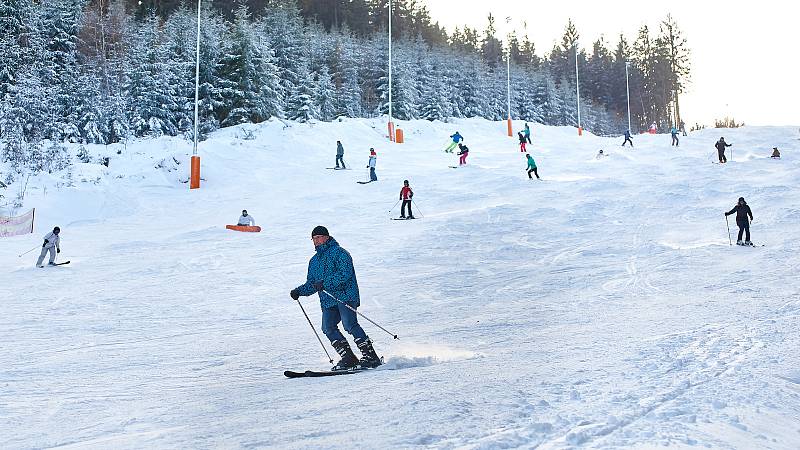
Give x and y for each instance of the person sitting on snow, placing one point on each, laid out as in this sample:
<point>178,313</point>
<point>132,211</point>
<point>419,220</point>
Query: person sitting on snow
<point>246,220</point>
<point>601,155</point>
<point>775,153</point>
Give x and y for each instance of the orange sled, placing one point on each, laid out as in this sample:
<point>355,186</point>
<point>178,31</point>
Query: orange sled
<point>246,229</point>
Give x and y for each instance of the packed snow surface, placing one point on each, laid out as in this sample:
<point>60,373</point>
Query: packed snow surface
<point>601,307</point>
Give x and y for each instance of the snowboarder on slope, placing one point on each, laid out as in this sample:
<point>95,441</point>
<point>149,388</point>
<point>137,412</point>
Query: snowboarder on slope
<point>406,195</point>
<point>331,270</point>
<point>721,145</point>
<point>373,160</point>
<point>674,133</point>
<point>742,210</point>
<point>456,139</point>
<point>463,153</point>
<point>246,220</point>
<point>527,132</point>
<point>775,153</point>
<point>522,142</point>
<point>532,167</point>
<point>627,138</point>
<point>52,244</point>
<point>339,154</point>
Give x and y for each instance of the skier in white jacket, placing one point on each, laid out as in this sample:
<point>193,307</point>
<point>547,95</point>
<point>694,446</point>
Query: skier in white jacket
<point>52,244</point>
<point>246,220</point>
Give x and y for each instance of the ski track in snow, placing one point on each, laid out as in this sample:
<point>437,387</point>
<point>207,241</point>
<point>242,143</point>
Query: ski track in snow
<point>603,308</point>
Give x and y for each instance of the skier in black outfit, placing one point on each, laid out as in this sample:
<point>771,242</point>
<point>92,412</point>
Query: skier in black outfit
<point>721,144</point>
<point>628,138</point>
<point>742,211</point>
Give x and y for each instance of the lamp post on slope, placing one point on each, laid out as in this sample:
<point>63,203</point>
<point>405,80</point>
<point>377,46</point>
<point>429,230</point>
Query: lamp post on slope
<point>578,90</point>
<point>628,91</point>
<point>508,81</point>
<point>194,179</point>
<point>391,123</point>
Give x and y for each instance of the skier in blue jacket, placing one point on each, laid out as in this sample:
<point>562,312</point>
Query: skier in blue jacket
<point>456,139</point>
<point>674,132</point>
<point>332,275</point>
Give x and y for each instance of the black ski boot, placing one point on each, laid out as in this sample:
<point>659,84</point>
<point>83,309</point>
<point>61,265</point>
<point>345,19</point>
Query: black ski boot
<point>369,359</point>
<point>349,360</point>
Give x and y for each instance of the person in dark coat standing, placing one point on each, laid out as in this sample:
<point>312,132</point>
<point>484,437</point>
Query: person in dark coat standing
<point>527,132</point>
<point>742,211</point>
<point>332,275</point>
<point>627,138</point>
<point>340,154</point>
<point>721,145</point>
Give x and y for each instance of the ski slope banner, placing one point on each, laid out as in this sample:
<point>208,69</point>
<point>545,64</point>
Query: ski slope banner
<point>17,226</point>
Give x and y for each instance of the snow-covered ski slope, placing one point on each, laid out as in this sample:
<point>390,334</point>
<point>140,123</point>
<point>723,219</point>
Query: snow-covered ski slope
<point>602,307</point>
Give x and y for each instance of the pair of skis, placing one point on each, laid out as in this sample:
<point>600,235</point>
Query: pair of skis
<point>327,373</point>
<point>55,264</point>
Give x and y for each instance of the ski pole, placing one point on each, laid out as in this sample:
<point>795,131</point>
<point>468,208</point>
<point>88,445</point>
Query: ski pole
<point>730,241</point>
<point>362,315</point>
<point>315,331</point>
<point>393,207</point>
<point>34,248</point>
<point>418,210</point>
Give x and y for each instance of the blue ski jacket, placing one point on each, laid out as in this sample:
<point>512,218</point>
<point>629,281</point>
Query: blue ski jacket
<point>332,265</point>
<point>457,138</point>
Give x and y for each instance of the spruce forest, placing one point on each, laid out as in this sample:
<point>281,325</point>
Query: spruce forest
<point>102,71</point>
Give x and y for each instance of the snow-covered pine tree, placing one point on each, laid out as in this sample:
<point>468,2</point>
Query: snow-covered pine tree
<point>325,95</point>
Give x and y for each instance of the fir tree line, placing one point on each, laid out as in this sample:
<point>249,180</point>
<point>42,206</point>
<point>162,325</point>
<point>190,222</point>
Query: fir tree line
<point>99,71</point>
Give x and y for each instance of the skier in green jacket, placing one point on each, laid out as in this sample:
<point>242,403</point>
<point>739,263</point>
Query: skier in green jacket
<point>532,167</point>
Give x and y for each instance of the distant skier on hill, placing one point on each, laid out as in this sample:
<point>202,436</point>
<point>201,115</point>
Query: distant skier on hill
<point>246,220</point>
<point>463,153</point>
<point>52,244</point>
<point>522,142</point>
<point>373,161</point>
<point>742,210</point>
<point>775,153</point>
<point>627,138</point>
<point>653,128</point>
<point>456,139</point>
<point>527,132</point>
<point>532,167</point>
<point>406,196</point>
<point>721,145</point>
<point>331,273</point>
<point>674,133</point>
<point>601,155</point>
<point>339,154</point>
<point>683,128</point>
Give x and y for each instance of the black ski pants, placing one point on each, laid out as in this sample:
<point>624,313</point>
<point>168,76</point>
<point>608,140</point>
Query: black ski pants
<point>744,227</point>
<point>406,203</point>
<point>626,141</point>
<point>340,158</point>
<point>675,140</point>
<point>535,172</point>
<point>722,157</point>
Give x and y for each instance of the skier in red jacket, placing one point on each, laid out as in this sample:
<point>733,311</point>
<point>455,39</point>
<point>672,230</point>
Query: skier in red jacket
<point>406,195</point>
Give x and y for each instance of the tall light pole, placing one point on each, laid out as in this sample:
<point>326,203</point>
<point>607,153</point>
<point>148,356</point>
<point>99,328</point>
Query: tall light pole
<point>508,79</point>
<point>578,90</point>
<point>391,123</point>
<point>194,179</point>
<point>628,90</point>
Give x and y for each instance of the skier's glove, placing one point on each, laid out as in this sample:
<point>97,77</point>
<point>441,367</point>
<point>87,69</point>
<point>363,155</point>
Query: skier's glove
<point>318,286</point>
<point>295,294</point>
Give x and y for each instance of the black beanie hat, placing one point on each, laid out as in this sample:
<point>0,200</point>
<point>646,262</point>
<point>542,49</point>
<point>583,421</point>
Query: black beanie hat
<point>319,230</point>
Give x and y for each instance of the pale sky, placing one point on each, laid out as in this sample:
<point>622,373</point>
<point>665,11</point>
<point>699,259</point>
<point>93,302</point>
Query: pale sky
<point>744,54</point>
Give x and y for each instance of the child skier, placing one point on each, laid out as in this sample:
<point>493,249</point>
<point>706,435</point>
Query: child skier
<point>532,167</point>
<point>522,142</point>
<point>406,195</point>
<point>742,210</point>
<point>456,139</point>
<point>628,138</point>
<point>52,244</point>
<point>463,153</point>
<point>373,161</point>
<point>674,133</point>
